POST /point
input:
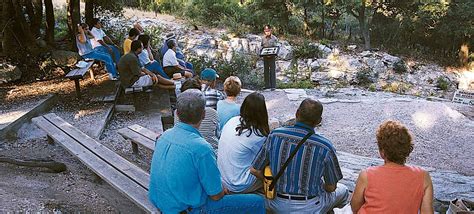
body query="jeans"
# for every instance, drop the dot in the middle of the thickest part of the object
(187, 65)
(116, 53)
(320, 204)
(156, 68)
(240, 203)
(109, 64)
(269, 74)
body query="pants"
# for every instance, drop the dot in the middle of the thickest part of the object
(156, 68)
(143, 81)
(115, 52)
(240, 203)
(321, 204)
(109, 63)
(170, 70)
(269, 72)
(187, 65)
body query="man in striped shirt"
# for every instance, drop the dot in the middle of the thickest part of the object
(310, 182)
(208, 80)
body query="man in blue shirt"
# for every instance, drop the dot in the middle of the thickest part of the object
(301, 188)
(184, 175)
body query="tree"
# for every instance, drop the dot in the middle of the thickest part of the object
(73, 18)
(89, 11)
(49, 37)
(363, 11)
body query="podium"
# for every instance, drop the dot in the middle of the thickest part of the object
(270, 51)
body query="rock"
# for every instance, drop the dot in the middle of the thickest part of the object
(325, 50)
(336, 74)
(282, 66)
(366, 54)
(321, 78)
(400, 67)
(9, 73)
(466, 80)
(354, 64)
(315, 66)
(351, 47)
(389, 58)
(65, 58)
(286, 51)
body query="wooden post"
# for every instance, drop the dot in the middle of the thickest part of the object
(78, 88)
(50, 140)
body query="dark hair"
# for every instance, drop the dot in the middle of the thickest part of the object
(133, 32)
(309, 112)
(83, 25)
(145, 40)
(94, 21)
(254, 116)
(191, 84)
(267, 26)
(137, 44)
(171, 43)
(395, 141)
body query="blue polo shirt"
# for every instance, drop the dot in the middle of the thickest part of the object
(184, 171)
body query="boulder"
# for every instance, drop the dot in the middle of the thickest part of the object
(366, 54)
(351, 47)
(65, 58)
(389, 58)
(466, 80)
(286, 51)
(9, 73)
(325, 50)
(400, 67)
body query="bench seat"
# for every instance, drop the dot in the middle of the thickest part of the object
(139, 135)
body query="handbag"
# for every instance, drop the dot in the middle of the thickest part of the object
(269, 181)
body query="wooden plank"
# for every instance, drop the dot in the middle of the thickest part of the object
(144, 131)
(79, 72)
(137, 138)
(122, 108)
(130, 170)
(121, 182)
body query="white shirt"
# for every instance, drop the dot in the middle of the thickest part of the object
(169, 59)
(144, 58)
(98, 34)
(235, 156)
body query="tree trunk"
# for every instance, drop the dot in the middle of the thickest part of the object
(89, 11)
(305, 22)
(37, 18)
(73, 18)
(323, 15)
(22, 29)
(48, 5)
(364, 26)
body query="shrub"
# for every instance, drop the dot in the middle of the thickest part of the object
(306, 50)
(364, 77)
(306, 84)
(442, 83)
(154, 32)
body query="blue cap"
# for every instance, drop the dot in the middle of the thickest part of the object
(209, 74)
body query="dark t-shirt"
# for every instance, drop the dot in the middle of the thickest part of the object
(129, 69)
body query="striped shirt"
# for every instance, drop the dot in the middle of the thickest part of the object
(208, 127)
(316, 159)
(212, 96)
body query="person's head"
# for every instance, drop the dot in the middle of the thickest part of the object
(232, 86)
(84, 27)
(136, 47)
(209, 76)
(267, 29)
(133, 33)
(145, 40)
(171, 44)
(170, 36)
(190, 83)
(96, 23)
(190, 106)
(394, 142)
(254, 116)
(309, 112)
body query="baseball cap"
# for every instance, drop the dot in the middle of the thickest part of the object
(209, 74)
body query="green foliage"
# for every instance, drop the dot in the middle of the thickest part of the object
(306, 50)
(442, 83)
(154, 32)
(60, 28)
(364, 76)
(306, 84)
(372, 87)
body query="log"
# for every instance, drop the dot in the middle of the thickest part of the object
(50, 164)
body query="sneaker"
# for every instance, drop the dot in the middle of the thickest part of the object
(114, 78)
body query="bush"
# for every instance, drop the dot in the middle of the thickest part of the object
(306, 50)
(364, 77)
(154, 32)
(442, 83)
(306, 84)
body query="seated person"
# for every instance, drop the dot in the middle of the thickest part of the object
(228, 108)
(170, 62)
(241, 140)
(147, 60)
(393, 187)
(179, 53)
(132, 35)
(100, 39)
(184, 177)
(310, 182)
(208, 127)
(83, 42)
(132, 74)
(208, 80)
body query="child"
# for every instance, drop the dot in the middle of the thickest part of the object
(208, 80)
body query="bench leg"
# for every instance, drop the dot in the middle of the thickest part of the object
(78, 88)
(91, 72)
(135, 148)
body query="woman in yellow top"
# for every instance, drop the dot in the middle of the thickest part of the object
(132, 35)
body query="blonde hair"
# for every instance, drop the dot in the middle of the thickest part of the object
(232, 86)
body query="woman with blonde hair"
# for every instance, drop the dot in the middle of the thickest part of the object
(229, 108)
(393, 187)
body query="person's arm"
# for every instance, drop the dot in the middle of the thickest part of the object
(151, 74)
(150, 54)
(257, 173)
(358, 196)
(82, 36)
(217, 197)
(332, 172)
(108, 40)
(427, 202)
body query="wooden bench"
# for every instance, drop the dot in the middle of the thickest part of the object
(139, 135)
(126, 177)
(78, 74)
